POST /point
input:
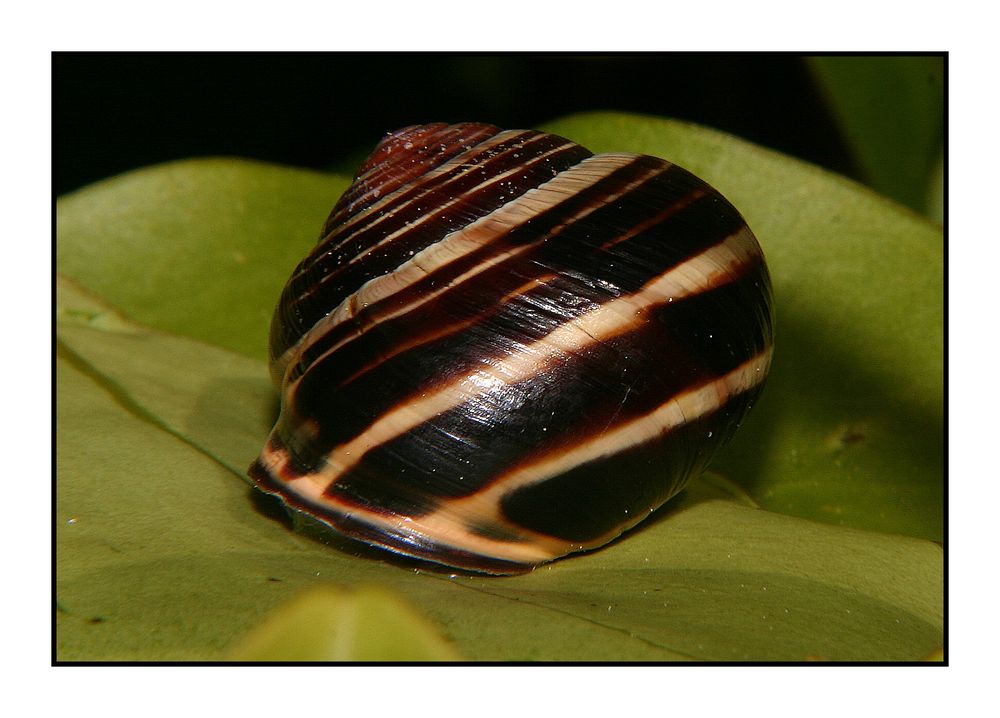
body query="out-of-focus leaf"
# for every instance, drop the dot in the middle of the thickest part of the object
(330, 624)
(891, 112)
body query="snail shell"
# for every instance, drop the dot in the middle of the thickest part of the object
(505, 349)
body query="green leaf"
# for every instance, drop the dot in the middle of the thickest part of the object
(163, 554)
(198, 247)
(327, 624)
(891, 113)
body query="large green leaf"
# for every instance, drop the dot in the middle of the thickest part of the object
(164, 554)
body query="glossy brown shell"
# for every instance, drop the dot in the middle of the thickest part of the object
(505, 349)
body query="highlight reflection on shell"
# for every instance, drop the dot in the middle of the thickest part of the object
(505, 349)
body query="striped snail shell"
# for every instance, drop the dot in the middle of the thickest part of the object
(505, 349)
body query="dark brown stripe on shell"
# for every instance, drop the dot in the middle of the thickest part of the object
(440, 185)
(598, 497)
(325, 278)
(400, 158)
(399, 541)
(580, 396)
(498, 328)
(339, 271)
(577, 247)
(419, 200)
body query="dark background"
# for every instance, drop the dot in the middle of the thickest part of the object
(117, 111)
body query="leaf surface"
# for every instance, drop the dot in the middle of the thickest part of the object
(163, 553)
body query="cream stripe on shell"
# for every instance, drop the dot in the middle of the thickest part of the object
(376, 213)
(446, 524)
(462, 242)
(704, 271)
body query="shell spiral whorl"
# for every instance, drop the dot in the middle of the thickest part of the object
(505, 349)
